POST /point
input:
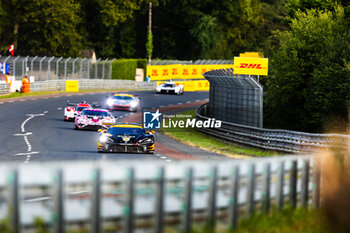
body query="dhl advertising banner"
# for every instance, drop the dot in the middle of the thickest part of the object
(178, 71)
(197, 85)
(251, 65)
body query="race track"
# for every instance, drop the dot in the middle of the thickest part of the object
(34, 130)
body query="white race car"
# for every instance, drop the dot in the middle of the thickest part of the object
(170, 87)
(73, 109)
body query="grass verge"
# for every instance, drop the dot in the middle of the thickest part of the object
(192, 137)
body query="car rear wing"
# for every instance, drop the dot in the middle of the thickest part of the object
(74, 104)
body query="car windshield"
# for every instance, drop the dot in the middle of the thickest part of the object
(169, 85)
(121, 131)
(119, 97)
(80, 108)
(94, 113)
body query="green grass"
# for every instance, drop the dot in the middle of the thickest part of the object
(192, 137)
(41, 93)
(286, 221)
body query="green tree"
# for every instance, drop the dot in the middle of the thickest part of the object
(41, 27)
(50, 28)
(311, 78)
(295, 5)
(149, 45)
(104, 21)
(240, 21)
(207, 34)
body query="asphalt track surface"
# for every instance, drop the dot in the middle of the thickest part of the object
(34, 130)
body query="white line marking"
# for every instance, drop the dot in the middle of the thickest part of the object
(179, 103)
(24, 122)
(198, 100)
(162, 157)
(157, 155)
(78, 192)
(23, 134)
(28, 153)
(38, 199)
(188, 102)
(59, 108)
(22, 100)
(161, 106)
(45, 112)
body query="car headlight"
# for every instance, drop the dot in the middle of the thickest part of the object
(110, 102)
(133, 104)
(104, 139)
(145, 140)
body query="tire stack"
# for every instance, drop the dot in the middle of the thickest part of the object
(25, 85)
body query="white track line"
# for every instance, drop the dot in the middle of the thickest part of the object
(27, 153)
(25, 137)
(23, 134)
(59, 108)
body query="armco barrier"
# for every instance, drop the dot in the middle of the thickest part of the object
(119, 195)
(88, 84)
(272, 139)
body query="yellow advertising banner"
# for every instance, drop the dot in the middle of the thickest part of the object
(178, 71)
(72, 86)
(252, 54)
(251, 65)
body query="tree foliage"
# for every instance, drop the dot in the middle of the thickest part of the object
(311, 78)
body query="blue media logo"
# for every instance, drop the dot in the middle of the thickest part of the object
(152, 120)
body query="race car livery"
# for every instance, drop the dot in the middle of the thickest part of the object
(170, 87)
(125, 137)
(95, 119)
(125, 102)
(73, 109)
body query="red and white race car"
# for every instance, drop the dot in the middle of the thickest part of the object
(73, 109)
(91, 118)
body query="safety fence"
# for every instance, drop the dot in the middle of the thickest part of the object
(129, 196)
(55, 68)
(274, 139)
(234, 98)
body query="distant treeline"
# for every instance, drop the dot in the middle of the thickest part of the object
(186, 30)
(306, 41)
